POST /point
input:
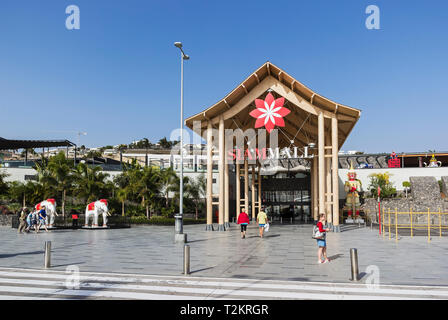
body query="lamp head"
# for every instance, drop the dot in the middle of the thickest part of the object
(186, 57)
(178, 44)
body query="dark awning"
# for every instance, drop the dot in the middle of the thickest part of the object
(6, 144)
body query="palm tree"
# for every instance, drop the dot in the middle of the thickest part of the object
(122, 182)
(168, 180)
(196, 190)
(3, 184)
(148, 187)
(61, 170)
(176, 189)
(18, 192)
(29, 192)
(164, 143)
(47, 183)
(90, 183)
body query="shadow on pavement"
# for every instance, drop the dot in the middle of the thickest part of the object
(203, 269)
(336, 256)
(20, 254)
(67, 264)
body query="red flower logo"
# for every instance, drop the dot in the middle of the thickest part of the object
(270, 112)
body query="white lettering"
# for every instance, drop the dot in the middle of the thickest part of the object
(373, 21)
(73, 21)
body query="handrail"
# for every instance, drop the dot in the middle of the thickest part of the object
(427, 224)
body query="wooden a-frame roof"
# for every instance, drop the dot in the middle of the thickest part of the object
(304, 103)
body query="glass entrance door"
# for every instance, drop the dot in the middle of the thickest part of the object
(287, 196)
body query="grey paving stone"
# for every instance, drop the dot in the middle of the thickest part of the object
(286, 253)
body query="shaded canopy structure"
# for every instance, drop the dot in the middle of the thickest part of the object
(310, 120)
(6, 144)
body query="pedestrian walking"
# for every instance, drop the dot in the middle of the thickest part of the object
(31, 220)
(262, 219)
(243, 220)
(42, 215)
(321, 238)
(22, 220)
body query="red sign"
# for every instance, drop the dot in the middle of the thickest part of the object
(270, 112)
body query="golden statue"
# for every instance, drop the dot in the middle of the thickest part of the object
(352, 187)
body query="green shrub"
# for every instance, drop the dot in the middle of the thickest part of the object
(163, 221)
(381, 180)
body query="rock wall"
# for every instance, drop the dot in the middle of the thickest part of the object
(425, 190)
(6, 220)
(425, 194)
(370, 206)
(445, 185)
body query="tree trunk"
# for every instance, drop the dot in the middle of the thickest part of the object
(147, 212)
(122, 208)
(24, 200)
(196, 207)
(63, 203)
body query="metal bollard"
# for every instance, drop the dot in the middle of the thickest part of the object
(354, 264)
(291, 220)
(47, 255)
(186, 259)
(281, 220)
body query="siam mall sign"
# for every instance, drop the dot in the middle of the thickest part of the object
(268, 154)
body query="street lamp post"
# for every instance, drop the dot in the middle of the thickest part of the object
(179, 235)
(77, 144)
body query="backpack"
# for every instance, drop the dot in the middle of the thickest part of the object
(317, 234)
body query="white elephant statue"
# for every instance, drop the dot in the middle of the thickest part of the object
(96, 208)
(50, 210)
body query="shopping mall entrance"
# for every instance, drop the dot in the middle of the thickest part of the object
(287, 197)
(270, 111)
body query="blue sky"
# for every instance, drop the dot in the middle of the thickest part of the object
(117, 78)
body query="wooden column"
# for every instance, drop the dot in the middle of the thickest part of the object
(221, 164)
(334, 171)
(226, 194)
(315, 189)
(259, 188)
(328, 190)
(246, 186)
(209, 226)
(238, 189)
(253, 192)
(321, 168)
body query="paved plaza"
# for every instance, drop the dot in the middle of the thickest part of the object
(286, 253)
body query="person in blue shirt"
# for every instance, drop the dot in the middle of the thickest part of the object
(42, 214)
(31, 220)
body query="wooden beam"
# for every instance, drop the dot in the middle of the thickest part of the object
(209, 177)
(238, 190)
(247, 99)
(292, 96)
(221, 175)
(246, 185)
(334, 171)
(253, 192)
(321, 160)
